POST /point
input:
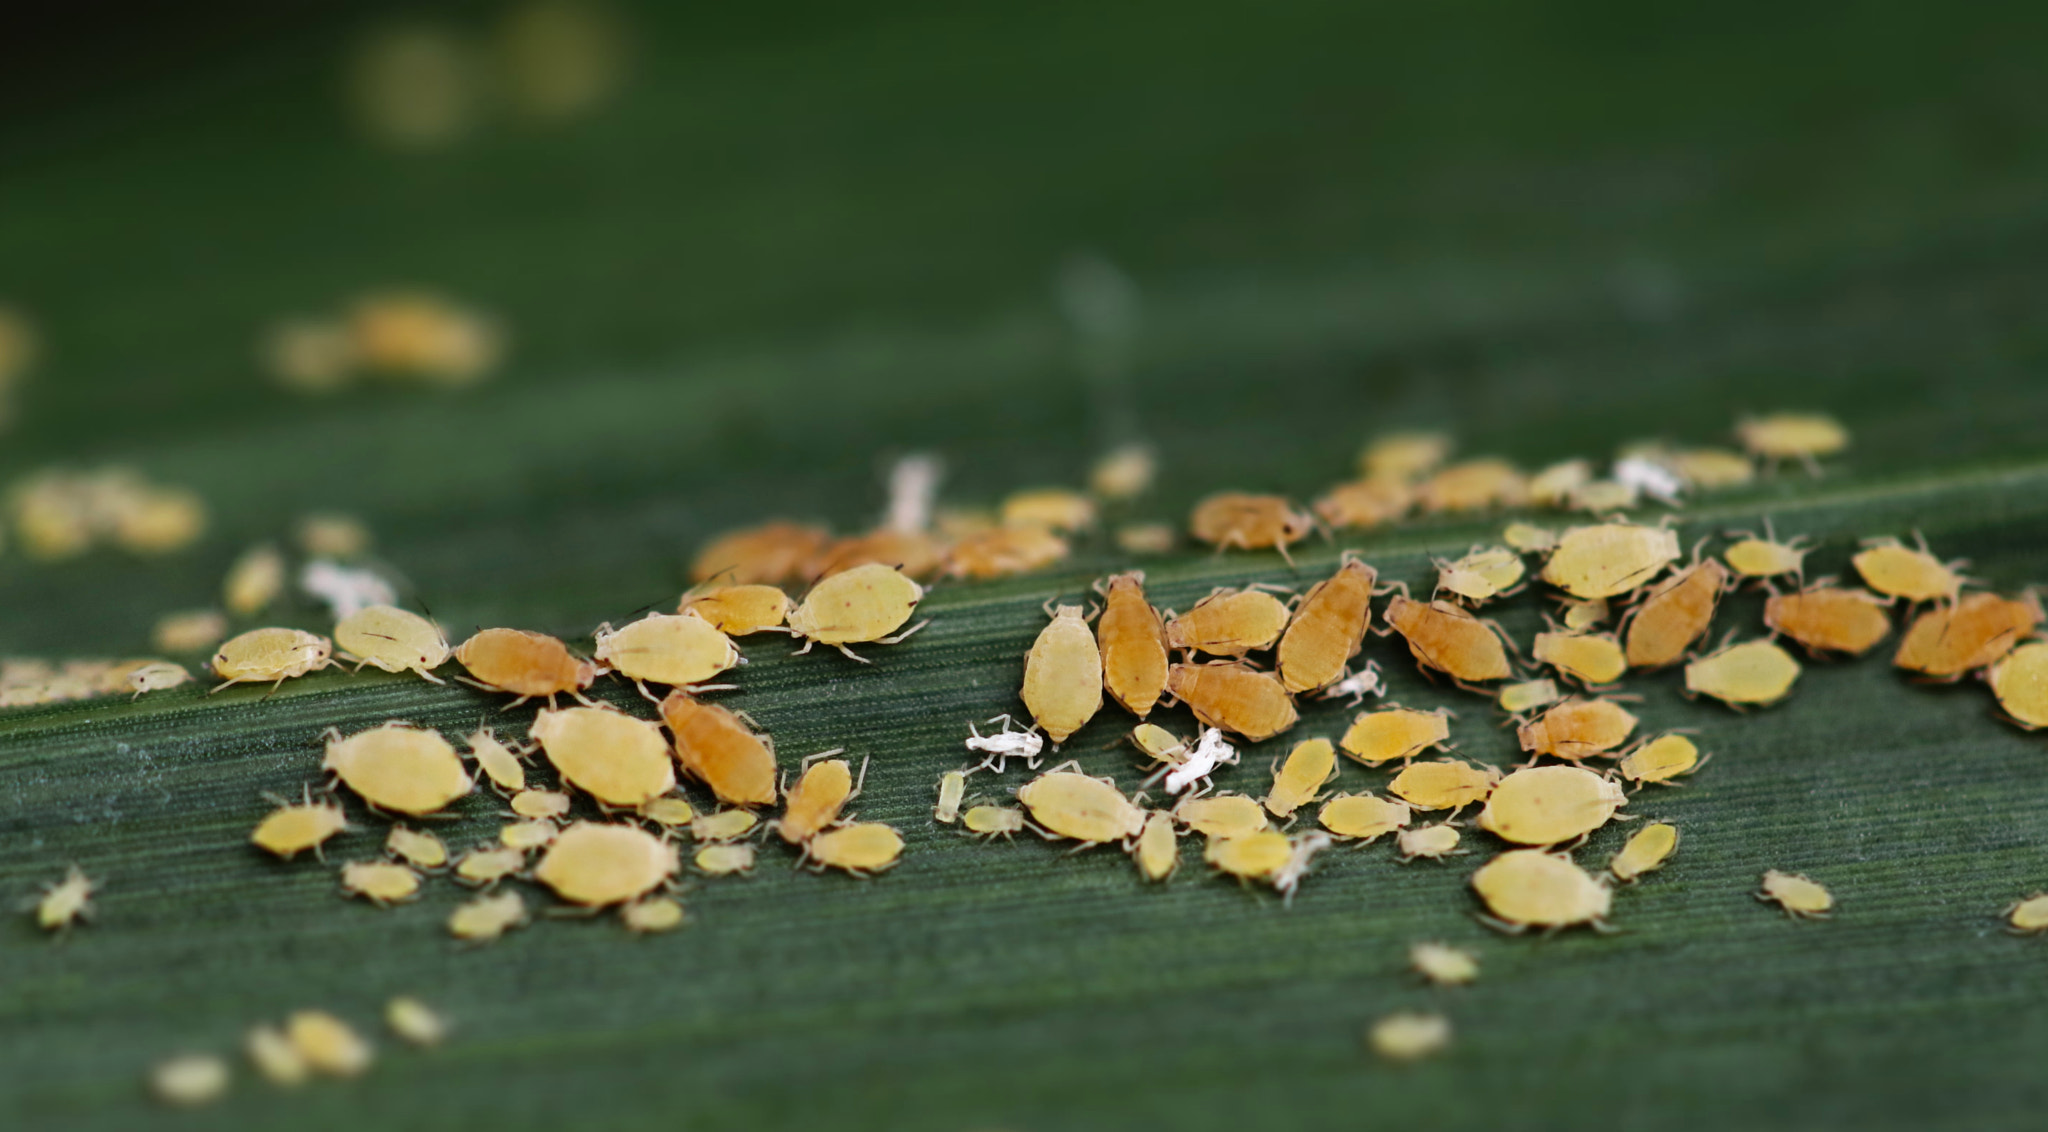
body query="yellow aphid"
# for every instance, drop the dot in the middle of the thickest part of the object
(678, 649)
(1363, 817)
(65, 902)
(1710, 468)
(1446, 784)
(1256, 855)
(1592, 659)
(1973, 633)
(415, 1022)
(1157, 849)
(1249, 522)
(724, 858)
(668, 811)
(1221, 815)
(1447, 638)
(1661, 759)
(270, 654)
(914, 554)
(496, 760)
(1444, 965)
(1427, 842)
(1395, 732)
(738, 611)
(1531, 888)
(596, 864)
(148, 519)
(1474, 485)
(1328, 628)
(1828, 619)
(398, 767)
(1063, 675)
(1067, 803)
(525, 664)
(2020, 681)
(615, 758)
(1299, 780)
(1645, 851)
(764, 555)
(380, 882)
(1005, 551)
(816, 800)
(1800, 897)
(992, 821)
(2029, 916)
(1753, 557)
(653, 914)
(485, 867)
(1529, 538)
(275, 1057)
(1601, 497)
(1229, 623)
(1365, 503)
(1555, 485)
(328, 1044)
(1145, 538)
(292, 829)
(420, 850)
(254, 581)
(860, 848)
(527, 836)
(1549, 805)
(1409, 1037)
(718, 748)
(157, 675)
(1752, 673)
(1581, 615)
(1673, 614)
(1050, 507)
(1404, 455)
(1527, 696)
(952, 789)
(1482, 575)
(1895, 570)
(487, 917)
(723, 825)
(1792, 436)
(1610, 559)
(540, 804)
(189, 1080)
(190, 631)
(862, 604)
(326, 535)
(1123, 473)
(1577, 729)
(422, 335)
(309, 355)
(393, 639)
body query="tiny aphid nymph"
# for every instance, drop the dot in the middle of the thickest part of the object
(1444, 965)
(952, 789)
(1409, 1037)
(328, 1044)
(821, 792)
(379, 882)
(1427, 842)
(1915, 575)
(65, 902)
(1445, 784)
(1006, 743)
(1645, 851)
(1661, 759)
(414, 1021)
(487, 917)
(293, 829)
(498, 762)
(1299, 779)
(1362, 817)
(1800, 897)
(420, 850)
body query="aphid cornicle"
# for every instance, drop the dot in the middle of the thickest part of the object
(1950, 640)
(1363, 817)
(1592, 659)
(2020, 681)
(1156, 851)
(1409, 1036)
(1234, 697)
(1830, 619)
(65, 902)
(379, 882)
(815, 802)
(1896, 570)
(487, 917)
(1299, 780)
(1673, 614)
(738, 611)
(1428, 842)
(1002, 552)
(1752, 674)
(275, 655)
(770, 553)
(1802, 898)
(294, 828)
(393, 639)
(615, 758)
(1221, 815)
(1661, 759)
(1532, 888)
(681, 650)
(1249, 522)
(862, 848)
(718, 748)
(1063, 675)
(399, 767)
(1328, 629)
(1549, 805)
(596, 864)
(524, 664)
(1133, 644)
(864, 604)
(1645, 851)
(1610, 559)
(1577, 729)
(1229, 623)
(1394, 732)
(1067, 803)
(1445, 784)
(1448, 639)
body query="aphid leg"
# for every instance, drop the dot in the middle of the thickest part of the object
(900, 637)
(851, 655)
(427, 676)
(1502, 926)
(649, 696)
(274, 688)
(478, 684)
(517, 702)
(1281, 546)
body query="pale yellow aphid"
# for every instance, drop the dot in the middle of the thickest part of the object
(254, 581)
(1753, 557)
(328, 1044)
(1549, 805)
(157, 675)
(669, 811)
(1482, 575)
(1601, 497)
(1473, 485)
(1299, 780)
(498, 762)
(1221, 815)
(596, 864)
(724, 859)
(333, 535)
(816, 800)
(292, 829)
(1145, 538)
(1792, 436)
(1124, 472)
(1710, 468)
(1363, 817)
(1555, 485)
(1444, 965)
(270, 654)
(1515, 699)
(1157, 848)
(540, 804)
(1529, 538)
(309, 355)
(1427, 842)
(993, 821)
(1896, 570)
(420, 850)
(379, 882)
(1610, 559)
(65, 902)
(1752, 673)
(189, 1080)
(1159, 744)
(2020, 681)
(1229, 623)
(1406, 1037)
(398, 767)
(2029, 916)
(1580, 615)
(192, 630)
(1800, 897)
(723, 825)
(527, 836)
(952, 789)
(274, 1056)
(1645, 851)
(487, 917)
(652, 915)
(1054, 508)
(1259, 854)
(860, 605)
(1525, 888)
(615, 758)
(414, 1021)
(393, 639)
(1063, 675)
(1577, 729)
(679, 649)
(1395, 732)
(483, 868)
(1446, 784)
(861, 848)
(738, 611)
(1661, 759)
(1364, 503)
(1067, 803)
(1592, 659)
(1404, 455)
(158, 520)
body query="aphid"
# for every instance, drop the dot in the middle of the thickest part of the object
(1652, 477)
(1406, 1036)
(393, 639)
(1404, 456)
(527, 836)
(668, 811)
(346, 591)
(1447, 638)
(1661, 759)
(1428, 842)
(767, 554)
(2020, 681)
(327, 535)
(1328, 629)
(328, 1044)
(1532, 888)
(292, 829)
(861, 605)
(1257, 855)
(915, 554)
(1550, 805)
(678, 649)
(1067, 803)
(1582, 615)
(1209, 753)
(1645, 851)
(913, 487)
(1051, 507)
(1555, 485)
(1482, 575)
(1145, 538)
(1234, 697)
(1592, 659)
(1894, 570)
(1766, 557)
(719, 749)
(1363, 817)
(1299, 780)
(1830, 619)
(156, 676)
(820, 793)
(2029, 916)
(414, 1021)
(650, 915)
(1005, 551)
(487, 917)
(1365, 503)
(862, 848)
(1301, 852)
(596, 864)
(1444, 965)
(1157, 848)
(420, 850)
(1395, 732)
(1792, 436)
(1673, 614)
(952, 789)
(1124, 472)
(1446, 784)
(189, 1080)
(1221, 815)
(398, 767)
(1603, 497)
(738, 611)
(1474, 485)
(1358, 685)
(540, 804)
(723, 825)
(1063, 675)
(1610, 559)
(993, 821)
(615, 758)
(275, 1057)
(1229, 623)
(525, 664)
(1250, 522)
(254, 581)
(1529, 538)
(379, 882)
(65, 902)
(1754, 672)
(1527, 696)
(1973, 633)
(270, 654)
(483, 868)
(1710, 468)
(998, 748)
(1577, 729)
(496, 760)
(414, 333)
(724, 858)
(190, 631)
(1800, 897)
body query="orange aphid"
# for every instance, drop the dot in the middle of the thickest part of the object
(526, 664)
(1975, 632)
(1249, 522)
(717, 748)
(1474, 485)
(1328, 628)
(1404, 456)
(914, 553)
(1830, 619)
(1004, 551)
(1445, 637)
(1133, 644)
(1234, 697)
(1673, 614)
(1365, 503)
(770, 553)
(738, 610)
(1229, 623)
(1577, 729)
(1896, 570)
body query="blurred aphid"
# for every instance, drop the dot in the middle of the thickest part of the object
(398, 767)
(189, 1080)
(1533, 888)
(1446, 784)
(526, 836)
(1299, 779)
(270, 654)
(1363, 817)
(51, 515)
(1830, 619)
(1610, 559)
(524, 664)
(670, 811)
(540, 804)
(1650, 477)
(678, 649)
(1446, 638)
(2029, 916)
(1555, 485)
(738, 611)
(1221, 815)
(819, 796)
(1660, 759)
(1407, 1036)
(1550, 805)
(915, 553)
(1209, 753)
(655, 914)
(1800, 897)
(292, 829)
(275, 1057)
(1404, 456)
(484, 868)
(1123, 473)
(1950, 640)
(1366, 503)
(414, 1022)
(1753, 673)
(393, 639)
(717, 747)
(765, 555)
(1063, 675)
(1145, 538)
(328, 1044)
(1328, 629)
(913, 487)
(194, 630)
(254, 581)
(1229, 623)
(1645, 851)
(560, 59)
(416, 334)
(1005, 551)
(1156, 851)
(1444, 965)
(619, 760)
(157, 520)
(1475, 485)
(1804, 437)
(1427, 842)
(487, 917)
(862, 848)
(992, 821)
(956, 523)
(1577, 729)
(1529, 538)
(1895, 570)
(1482, 575)
(1527, 696)
(1255, 855)
(1591, 659)
(18, 349)
(413, 86)
(1067, 803)
(1395, 732)
(998, 747)
(1133, 643)
(1674, 613)
(724, 858)
(1234, 697)
(1604, 497)
(2020, 681)
(1249, 522)
(952, 790)
(346, 590)
(65, 902)
(157, 675)
(1765, 557)
(1711, 468)
(864, 604)
(1054, 508)
(332, 535)
(415, 848)
(596, 864)
(310, 355)
(379, 882)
